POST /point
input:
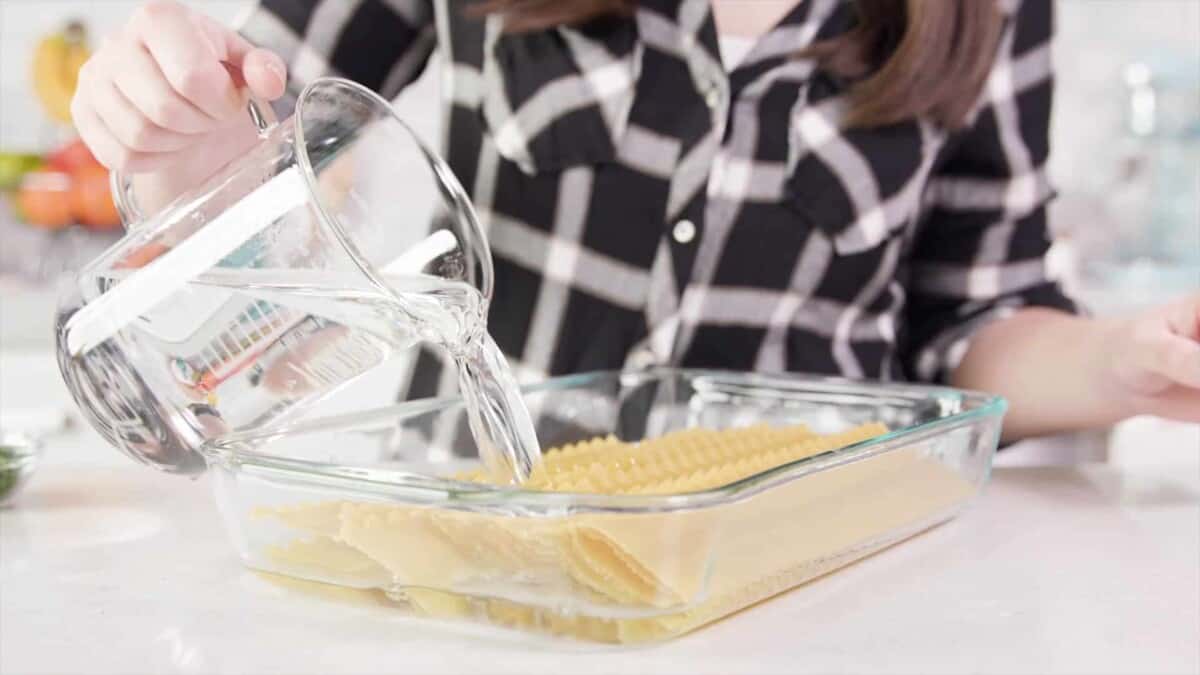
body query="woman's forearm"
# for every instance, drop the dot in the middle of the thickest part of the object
(1053, 369)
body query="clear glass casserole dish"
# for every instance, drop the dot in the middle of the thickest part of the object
(369, 501)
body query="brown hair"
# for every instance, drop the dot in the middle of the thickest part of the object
(906, 58)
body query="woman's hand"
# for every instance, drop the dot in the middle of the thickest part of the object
(1154, 360)
(171, 82)
(1064, 373)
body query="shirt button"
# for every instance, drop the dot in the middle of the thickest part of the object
(684, 231)
(712, 97)
(640, 359)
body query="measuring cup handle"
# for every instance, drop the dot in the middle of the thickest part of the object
(122, 186)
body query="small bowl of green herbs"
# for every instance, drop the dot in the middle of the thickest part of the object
(19, 456)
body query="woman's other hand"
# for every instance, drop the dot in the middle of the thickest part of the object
(1154, 359)
(1064, 373)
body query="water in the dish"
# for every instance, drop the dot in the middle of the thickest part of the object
(248, 347)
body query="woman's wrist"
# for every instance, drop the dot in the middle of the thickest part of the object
(153, 191)
(1114, 377)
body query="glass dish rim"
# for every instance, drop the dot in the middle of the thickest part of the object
(419, 489)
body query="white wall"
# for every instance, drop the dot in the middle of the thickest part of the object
(1097, 39)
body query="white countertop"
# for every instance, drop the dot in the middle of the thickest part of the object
(107, 567)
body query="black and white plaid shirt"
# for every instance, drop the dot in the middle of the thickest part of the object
(646, 205)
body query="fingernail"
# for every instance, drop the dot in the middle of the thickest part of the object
(277, 69)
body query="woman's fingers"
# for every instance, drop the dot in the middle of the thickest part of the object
(110, 151)
(263, 71)
(1177, 358)
(1178, 403)
(1167, 343)
(1183, 317)
(265, 74)
(189, 58)
(133, 129)
(144, 85)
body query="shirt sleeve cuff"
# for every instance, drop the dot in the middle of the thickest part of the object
(939, 357)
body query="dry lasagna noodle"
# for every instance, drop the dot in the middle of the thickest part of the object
(640, 576)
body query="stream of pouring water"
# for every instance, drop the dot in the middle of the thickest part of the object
(363, 327)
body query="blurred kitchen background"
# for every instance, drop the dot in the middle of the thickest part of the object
(1126, 162)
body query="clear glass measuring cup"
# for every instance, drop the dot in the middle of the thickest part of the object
(336, 241)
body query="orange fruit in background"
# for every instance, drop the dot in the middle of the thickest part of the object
(91, 200)
(72, 157)
(44, 199)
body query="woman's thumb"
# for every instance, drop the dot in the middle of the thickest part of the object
(265, 74)
(260, 69)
